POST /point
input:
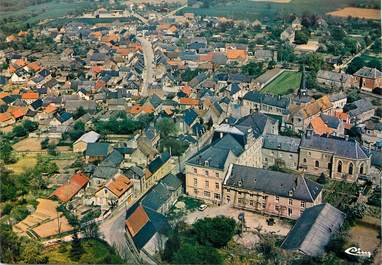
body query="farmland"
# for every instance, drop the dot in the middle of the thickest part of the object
(365, 13)
(248, 9)
(283, 84)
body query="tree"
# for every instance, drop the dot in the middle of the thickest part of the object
(30, 126)
(7, 187)
(197, 254)
(166, 127)
(44, 143)
(375, 63)
(91, 229)
(77, 250)
(172, 245)
(215, 231)
(338, 33)
(313, 61)
(6, 151)
(19, 131)
(322, 179)
(356, 64)
(253, 69)
(301, 37)
(79, 113)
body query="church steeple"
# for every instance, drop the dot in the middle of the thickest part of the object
(302, 90)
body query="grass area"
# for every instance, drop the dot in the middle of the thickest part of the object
(247, 9)
(285, 83)
(367, 58)
(23, 163)
(96, 252)
(340, 193)
(191, 205)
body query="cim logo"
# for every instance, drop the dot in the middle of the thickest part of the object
(354, 251)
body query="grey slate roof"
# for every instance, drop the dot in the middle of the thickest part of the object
(368, 72)
(313, 229)
(338, 146)
(97, 149)
(283, 143)
(256, 121)
(105, 172)
(361, 106)
(272, 182)
(277, 101)
(331, 121)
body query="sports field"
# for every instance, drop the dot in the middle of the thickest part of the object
(285, 83)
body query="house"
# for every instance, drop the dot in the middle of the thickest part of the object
(338, 100)
(6, 119)
(145, 229)
(158, 169)
(328, 125)
(117, 191)
(74, 187)
(81, 143)
(314, 229)
(270, 192)
(29, 97)
(372, 133)
(288, 35)
(339, 158)
(163, 195)
(137, 176)
(368, 78)
(266, 103)
(280, 148)
(361, 111)
(96, 152)
(334, 80)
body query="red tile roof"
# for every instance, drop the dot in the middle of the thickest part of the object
(5, 116)
(189, 101)
(30, 95)
(67, 191)
(119, 185)
(137, 221)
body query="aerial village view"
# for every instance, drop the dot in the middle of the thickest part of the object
(222, 132)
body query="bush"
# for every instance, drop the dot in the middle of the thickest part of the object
(19, 131)
(7, 209)
(30, 126)
(20, 213)
(197, 254)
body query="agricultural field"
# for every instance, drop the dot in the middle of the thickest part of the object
(23, 163)
(251, 10)
(365, 13)
(285, 83)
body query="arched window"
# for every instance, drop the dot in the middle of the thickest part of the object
(317, 164)
(361, 169)
(304, 160)
(339, 166)
(351, 168)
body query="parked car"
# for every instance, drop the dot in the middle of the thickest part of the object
(202, 207)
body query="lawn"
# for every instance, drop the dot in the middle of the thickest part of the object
(23, 163)
(96, 252)
(247, 9)
(284, 84)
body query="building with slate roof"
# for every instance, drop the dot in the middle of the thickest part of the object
(368, 78)
(163, 195)
(361, 111)
(333, 79)
(270, 192)
(157, 169)
(280, 148)
(339, 158)
(96, 152)
(145, 229)
(266, 103)
(81, 143)
(314, 229)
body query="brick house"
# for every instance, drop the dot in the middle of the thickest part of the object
(269, 192)
(368, 78)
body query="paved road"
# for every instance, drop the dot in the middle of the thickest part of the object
(148, 72)
(345, 64)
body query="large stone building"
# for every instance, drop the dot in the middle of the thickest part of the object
(270, 192)
(368, 78)
(338, 158)
(281, 149)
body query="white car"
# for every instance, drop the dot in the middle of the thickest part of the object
(202, 207)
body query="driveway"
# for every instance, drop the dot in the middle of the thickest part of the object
(253, 221)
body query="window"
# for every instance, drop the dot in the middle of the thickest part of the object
(351, 168)
(207, 194)
(105, 191)
(302, 204)
(228, 198)
(277, 208)
(207, 184)
(317, 164)
(277, 198)
(195, 182)
(206, 172)
(290, 156)
(290, 201)
(339, 166)
(217, 185)
(217, 196)
(289, 211)
(263, 205)
(217, 174)
(195, 170)
(304, 160)
(195, 191)
(251, 202)
(240, 201)
(361, 169)
(266, 159)
(310, 154)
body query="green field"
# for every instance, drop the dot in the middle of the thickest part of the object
(283, 84)
(251, 10)
(96, 252)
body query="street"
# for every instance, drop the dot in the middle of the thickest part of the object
(148, 72)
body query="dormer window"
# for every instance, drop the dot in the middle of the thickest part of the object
(290, 193)
(206, 163)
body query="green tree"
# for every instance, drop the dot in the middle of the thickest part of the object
(375, 63)
(79, 113)
(76, 250)
(301, 37)
(253, 69)
(44, 143)
(313, 61)
(338, 33)
(19, 131)
(356, 64)
(166, 127)
(6, 151)
(172, 245)
(197, 254)
(31, 253)
(7, 187)
(215, 231)
(30, 126)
